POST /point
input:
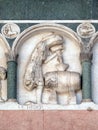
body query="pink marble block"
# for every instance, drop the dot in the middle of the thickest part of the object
(48, 120)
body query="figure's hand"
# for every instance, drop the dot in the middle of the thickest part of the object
(28, 85)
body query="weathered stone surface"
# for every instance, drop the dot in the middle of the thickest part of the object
(70, 120)
(48, 120)
(21, 120)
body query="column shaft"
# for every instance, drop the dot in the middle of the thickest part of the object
(86, 80)
(11, 79)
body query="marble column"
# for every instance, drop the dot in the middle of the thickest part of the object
(11, 79)
(86, 76)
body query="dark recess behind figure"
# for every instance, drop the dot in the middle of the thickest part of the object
(48, 9)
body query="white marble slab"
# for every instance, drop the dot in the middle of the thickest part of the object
(15, 106)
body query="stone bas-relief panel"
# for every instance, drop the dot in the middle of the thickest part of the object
(49, 67)
(52, 68)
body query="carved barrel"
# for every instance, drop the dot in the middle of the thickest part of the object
(63, 81)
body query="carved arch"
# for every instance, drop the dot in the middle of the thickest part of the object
(23, 42)
(93, 40)
(40, 27)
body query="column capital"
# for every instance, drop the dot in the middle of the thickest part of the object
(86, 56)
(11, 57)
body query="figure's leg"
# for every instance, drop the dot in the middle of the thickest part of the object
(79, 96)
(62, 98)
(53, 97)
(32, 99)
(67, 98)
(45, 96)
(71, 96)
(49, 96)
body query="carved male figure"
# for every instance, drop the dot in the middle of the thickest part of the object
(56, 76)
(47, 72)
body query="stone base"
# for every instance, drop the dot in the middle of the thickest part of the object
(15, 106)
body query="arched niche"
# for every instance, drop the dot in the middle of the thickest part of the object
(94, 69)
(26, 42)
(4, 50)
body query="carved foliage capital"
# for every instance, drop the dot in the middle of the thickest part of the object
(10, 57)
(86, 56)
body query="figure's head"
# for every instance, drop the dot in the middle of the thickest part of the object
(54, 42)
(3, 73)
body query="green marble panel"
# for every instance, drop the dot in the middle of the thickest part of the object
(46, 9)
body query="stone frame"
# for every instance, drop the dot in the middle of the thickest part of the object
(13, 57)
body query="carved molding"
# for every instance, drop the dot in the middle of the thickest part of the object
(42, 27)
(86, 56)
